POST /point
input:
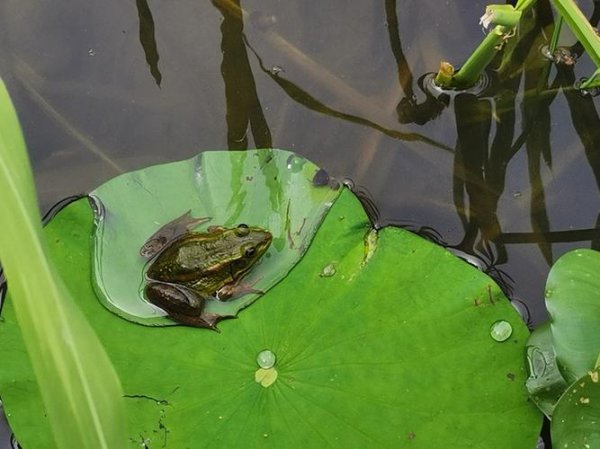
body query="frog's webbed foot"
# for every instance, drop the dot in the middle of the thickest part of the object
(230, 291)
(182, 305)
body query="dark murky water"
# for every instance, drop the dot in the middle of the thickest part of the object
(326, 82)
(509, 174)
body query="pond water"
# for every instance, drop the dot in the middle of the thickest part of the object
(504, 173)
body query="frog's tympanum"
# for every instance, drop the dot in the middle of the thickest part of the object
(196, 266)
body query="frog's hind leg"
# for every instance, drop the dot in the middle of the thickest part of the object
(182, 305)
(174, 299)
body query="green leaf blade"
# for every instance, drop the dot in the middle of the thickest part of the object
(80, 389)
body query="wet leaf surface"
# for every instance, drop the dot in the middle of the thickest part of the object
(394, 352)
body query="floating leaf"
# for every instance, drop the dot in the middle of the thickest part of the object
(269, 189)
(576, 421)
(394, 352)
(573, 301)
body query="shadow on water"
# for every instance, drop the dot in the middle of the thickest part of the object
(304, 98)
(147, 39)
(243, 105)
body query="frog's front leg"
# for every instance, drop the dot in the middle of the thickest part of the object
(181, 304)
(237, 289)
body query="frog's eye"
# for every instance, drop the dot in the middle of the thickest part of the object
(249, 251)
(242, 230)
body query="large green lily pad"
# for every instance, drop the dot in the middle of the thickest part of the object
(390, 352)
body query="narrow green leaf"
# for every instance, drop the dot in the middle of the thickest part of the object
(581, 27)
(79, 386)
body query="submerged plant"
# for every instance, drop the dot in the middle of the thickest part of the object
(81, 392)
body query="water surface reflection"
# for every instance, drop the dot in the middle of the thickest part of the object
(507, 172)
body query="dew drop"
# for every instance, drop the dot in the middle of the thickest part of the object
(295, 163)
(266, 359)
(501, 330)
(328, 271)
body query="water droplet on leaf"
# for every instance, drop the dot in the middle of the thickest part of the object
(328, 271)
(501, 330)
(266, 359)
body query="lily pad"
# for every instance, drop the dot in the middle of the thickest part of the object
(391, 351)
(573, 302)
(576, 422)
(270, 189)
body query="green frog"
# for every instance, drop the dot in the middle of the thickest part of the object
(191, 267)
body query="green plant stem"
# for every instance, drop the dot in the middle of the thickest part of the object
(469, 73)
(556, 34)
(580, 27)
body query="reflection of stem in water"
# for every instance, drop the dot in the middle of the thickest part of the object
(304, 98)
(587, 125)
(573, 235)
(536, 118)
(243, 104)
(23, 73)
(405, 77)
(147, 39)
(475, 175)
(408, 110)
(584, 117)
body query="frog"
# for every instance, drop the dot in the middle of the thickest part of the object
(189, 268)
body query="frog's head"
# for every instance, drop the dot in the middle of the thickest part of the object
(252, 243)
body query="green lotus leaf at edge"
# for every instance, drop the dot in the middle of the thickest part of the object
(391, 352)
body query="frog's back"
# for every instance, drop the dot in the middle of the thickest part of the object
(188, 258)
